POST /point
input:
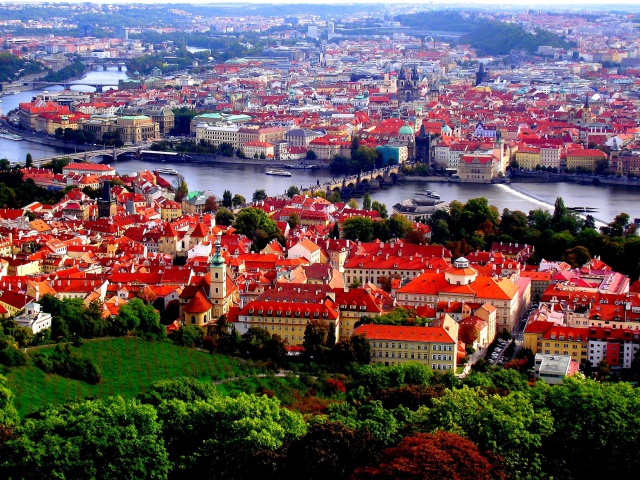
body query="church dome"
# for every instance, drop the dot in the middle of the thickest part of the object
(405, 130)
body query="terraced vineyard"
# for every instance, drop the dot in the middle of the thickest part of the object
(128, 366)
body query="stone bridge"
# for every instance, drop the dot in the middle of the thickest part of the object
(364, 180)
(110, 153)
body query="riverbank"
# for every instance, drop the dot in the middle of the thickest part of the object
(49, 141)
(545, 177)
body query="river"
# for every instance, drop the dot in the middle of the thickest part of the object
(245, 179)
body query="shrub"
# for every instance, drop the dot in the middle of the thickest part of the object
(63, 362)
(12, 357)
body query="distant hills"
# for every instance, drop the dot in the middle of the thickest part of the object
(486, 36)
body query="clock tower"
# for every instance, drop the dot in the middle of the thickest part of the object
(218, 281)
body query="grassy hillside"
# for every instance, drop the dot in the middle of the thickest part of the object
(128, 366)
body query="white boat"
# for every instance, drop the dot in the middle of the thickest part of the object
(431, 194)
(14, 92)
(281, 173)
(167, 171)
(299, 166)
(10, 136)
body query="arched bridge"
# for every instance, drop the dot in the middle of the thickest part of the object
(112, 153)
(370, 179)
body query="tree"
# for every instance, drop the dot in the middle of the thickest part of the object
(331, 450)
(435, 456)
(28, 161)
(8, 413)
(366, 201)
(188, 336)
(259, 195)
(294, 220)
(589, 419)
(335, 231)
(399, 225)
(352, 203)
(311, 155)
(381, 208)
(358, 228)
(238, 200)
(136, 315)
(506, 425)
(180, 188)
(223, 433)
(227, 199)
(293, 190)
(314, 340)
(123, 438)
(257, 226)
(224, 216)
(467, 334)
(211, 204)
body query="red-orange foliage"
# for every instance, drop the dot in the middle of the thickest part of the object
(432, 456)
(309, 404)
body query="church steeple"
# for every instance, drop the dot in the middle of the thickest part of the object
(218, 280)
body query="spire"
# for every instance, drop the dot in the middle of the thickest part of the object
(586, 101)
(217, 259)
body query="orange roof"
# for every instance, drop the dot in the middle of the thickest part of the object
(406, 333)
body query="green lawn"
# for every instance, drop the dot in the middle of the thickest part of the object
(127, 365)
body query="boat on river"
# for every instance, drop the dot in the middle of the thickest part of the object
(10, 136)
(281, 173)
(167, 171)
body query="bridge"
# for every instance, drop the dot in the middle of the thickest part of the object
(112, 153)
(364, 180)
(37, 84)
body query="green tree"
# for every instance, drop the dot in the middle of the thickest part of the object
(322, 452)
(28, 161)
(358, 228)
(143, 318)
(227, 199)
(399, 225)
(224, 216)
(505, 425)
(259, 195)
(188, 336)
(257, 226)
(381, 208)
(294, 220)
(109, 439)
(592, 420)
(222, 433)
(8, 413)
(366, 201)
(352, 203)
(238, 200)
(293, 190)
(335, 231)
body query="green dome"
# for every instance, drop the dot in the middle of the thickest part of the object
(405, 130)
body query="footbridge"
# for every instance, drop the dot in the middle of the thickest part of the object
(110, 153)
(364, 180)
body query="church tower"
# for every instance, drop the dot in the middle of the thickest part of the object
(218, 281)
(106, 204)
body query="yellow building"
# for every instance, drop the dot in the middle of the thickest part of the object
(587, 159)
(136, 128)
(528, 157)
(395, 344)
(550, 339)
(170, 210)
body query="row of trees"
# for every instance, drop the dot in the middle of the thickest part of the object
(562, 234)
(401, 421)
